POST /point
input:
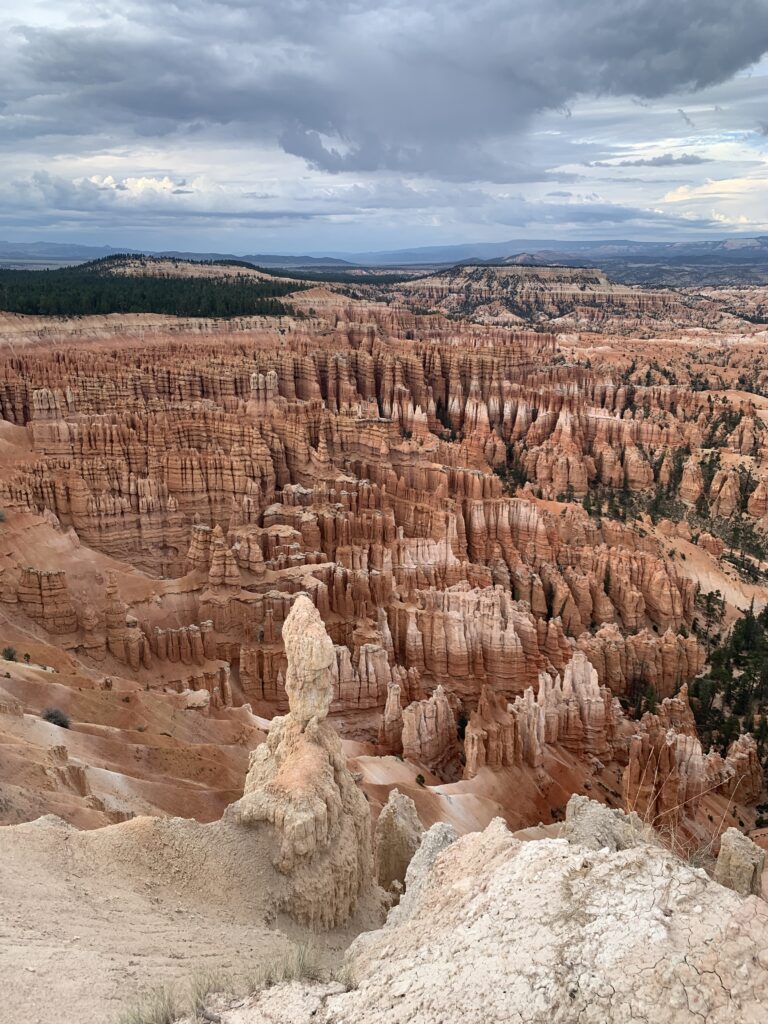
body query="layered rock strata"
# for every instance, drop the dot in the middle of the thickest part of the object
(668, 772)
(575, 713)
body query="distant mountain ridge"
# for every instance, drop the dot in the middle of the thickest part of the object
(513, 250)
(62, 252)
(726, 261)
(552, 250)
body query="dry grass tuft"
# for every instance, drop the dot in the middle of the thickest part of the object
(160, 1006)
(669, 827)
(345, 976)
(167, 1005)
(300, 962)
(202, 986)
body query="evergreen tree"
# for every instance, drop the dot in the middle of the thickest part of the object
(761, 734)
(99, 288)
(651, 701)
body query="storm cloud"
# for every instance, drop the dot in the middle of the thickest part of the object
(369, 93)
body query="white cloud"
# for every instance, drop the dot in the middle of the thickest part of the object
(722, 188)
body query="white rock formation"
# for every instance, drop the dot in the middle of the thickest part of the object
(310, 655)
(596, 827)
(433, 842)
(298, 782)
(546, 932)
(396, 839)
(740, 863)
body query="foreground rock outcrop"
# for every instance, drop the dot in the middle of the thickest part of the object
(596, 827)
(548, 932)
(396, 840)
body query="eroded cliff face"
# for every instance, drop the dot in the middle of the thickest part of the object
(517, 294)
(319, 463)
(464, 508)
(575, 713)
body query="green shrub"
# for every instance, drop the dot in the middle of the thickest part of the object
(56, 717)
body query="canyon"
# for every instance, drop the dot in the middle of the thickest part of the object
(304, 592)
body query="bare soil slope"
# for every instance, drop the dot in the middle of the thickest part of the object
(90, 919)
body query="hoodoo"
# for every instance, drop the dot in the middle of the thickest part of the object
(299, 784)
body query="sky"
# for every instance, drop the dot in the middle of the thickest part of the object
(346, 125)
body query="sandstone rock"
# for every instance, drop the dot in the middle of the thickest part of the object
(231, 467)
(646, 936)
(576, 713)
(725, 493)
(491, 737)
(668, 772)
(663, 662)
(391, 728)
(310, 655)
(429, 732)
(714, 545)
(742, 772)
(436, 839)
(396, 839)
(196, 700)
(692, 484)
(596, 827)
(757, 504)
(44, 596)
(222, 571)
(740, 863)
(745, 436)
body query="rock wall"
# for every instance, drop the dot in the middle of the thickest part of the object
(353, 459)
(648, 937)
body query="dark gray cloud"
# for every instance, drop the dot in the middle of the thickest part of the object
(663, 160)
(359, 84)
